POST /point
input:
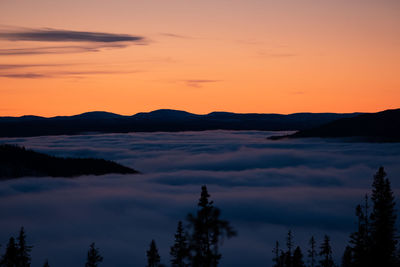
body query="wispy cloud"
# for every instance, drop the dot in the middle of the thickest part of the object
(57, 49)
(173, 35)
(54, 35)
(73, 74)
(23, 66)
(199, 82)
(277, 55)
(23, 75)
(88, 41)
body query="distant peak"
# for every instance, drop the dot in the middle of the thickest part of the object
(97, 114)
(170, 111)
(166, 113)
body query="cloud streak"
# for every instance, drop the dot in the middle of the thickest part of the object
(75, 74)
(173, 35)
(23, 66)
(57, 49)
(78, 41)
(54, 35)
(197, 83)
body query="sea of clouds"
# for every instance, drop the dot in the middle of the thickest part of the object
(264, 188)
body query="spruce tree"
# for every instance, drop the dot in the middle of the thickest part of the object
(10, 257)
(361, 240)
(153, 258)
(383, 221)
(347, 259)
(24, 257)
(298, 258)
(93, 256)
(179, 251)
(207, 231)
(326, 253)
(312, 252)
(277, 259)
(289, 253)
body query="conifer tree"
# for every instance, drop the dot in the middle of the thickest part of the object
(289, 242)
(361, 240)
(179, 251)
(93, 256)
(383, 221)
(298, 258)
(277, 259)
(10, 257)
(326, 253)
(347, 259)
(367, 216)
(312, 252)
(289, 252)
(24, 258)
(153, 258)
(207, 231)
(46, 264)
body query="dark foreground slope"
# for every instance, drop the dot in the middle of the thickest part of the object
(160, 120)
(376, 127)
(19, 162)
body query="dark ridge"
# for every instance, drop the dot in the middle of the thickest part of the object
(160, 120)
(382, 126)
(97, 115)
(16, 161)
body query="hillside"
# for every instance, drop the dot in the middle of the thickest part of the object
(17, 162)
(376, 127)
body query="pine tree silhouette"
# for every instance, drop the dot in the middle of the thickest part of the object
(153, 258)
(383, 221)
(289, 253)
(312, 252)
(179, 251)
(326, 253)
(290, 257)
(347, 259)
(46, 264)
(361, 240)
(10, 257)
(24, 258)
(207, 232)
(277, 259)
(298, 258)
(93, 256)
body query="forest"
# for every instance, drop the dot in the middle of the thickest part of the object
(17, 161)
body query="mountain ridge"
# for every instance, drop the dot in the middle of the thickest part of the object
(110, 114)
(161, 120)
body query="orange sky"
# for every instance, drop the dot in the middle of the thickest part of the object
(262, 56)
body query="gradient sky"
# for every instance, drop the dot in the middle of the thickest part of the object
(127, 56)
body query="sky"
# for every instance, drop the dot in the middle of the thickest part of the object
(128, 56)
(264, 188)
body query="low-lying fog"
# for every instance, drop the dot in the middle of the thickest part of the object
(264, 188)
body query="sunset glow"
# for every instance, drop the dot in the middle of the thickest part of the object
(264, 56)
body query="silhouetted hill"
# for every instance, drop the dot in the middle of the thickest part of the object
(160, 120)
(97, 115)
(17, 161)
(377, 127)
(169, 114)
